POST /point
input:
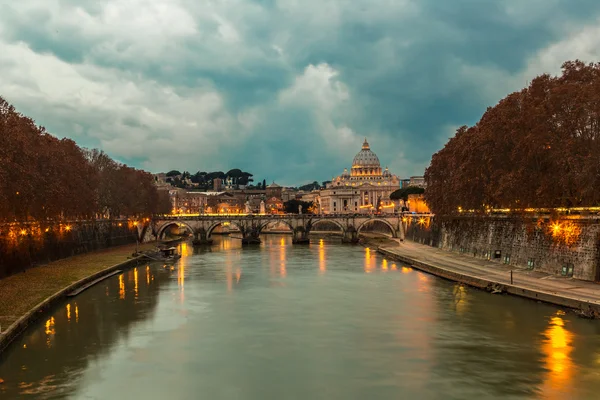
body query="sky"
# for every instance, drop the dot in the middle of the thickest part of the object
(284, 89)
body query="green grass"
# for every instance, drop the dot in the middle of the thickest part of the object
(21, 292)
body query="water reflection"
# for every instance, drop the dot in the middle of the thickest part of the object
(135, 282)
(460, 298)
(557, 348)
(121, 287)
(322, 262)
(369, 261)
(370, 328)
(282, 255)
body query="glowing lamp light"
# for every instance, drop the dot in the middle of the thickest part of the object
(23, 232)
(68, 228)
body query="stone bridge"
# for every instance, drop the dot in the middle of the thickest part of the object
(251, 226)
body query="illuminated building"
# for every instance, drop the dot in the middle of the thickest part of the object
(365, 189)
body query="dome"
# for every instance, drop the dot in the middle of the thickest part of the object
(366, 158)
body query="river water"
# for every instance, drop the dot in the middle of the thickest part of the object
(325, 321)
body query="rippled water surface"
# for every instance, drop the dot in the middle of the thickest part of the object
(324, 321)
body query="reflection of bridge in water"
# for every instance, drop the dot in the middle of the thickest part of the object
(251, 226)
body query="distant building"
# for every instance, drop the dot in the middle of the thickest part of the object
(274, 190)
(217, 184)
(416, 203)
(365, 189)
(288, 194)
(223, 202)
(418, 181)
(274, 205)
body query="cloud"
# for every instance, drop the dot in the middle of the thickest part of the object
(286, 89)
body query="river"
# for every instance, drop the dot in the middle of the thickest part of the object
(325, 321)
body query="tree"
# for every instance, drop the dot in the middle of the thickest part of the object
(538, 147)
(264, 184)
(292, 206)
(173, 173)
(402, 194)
(310, 187)
(43, 177)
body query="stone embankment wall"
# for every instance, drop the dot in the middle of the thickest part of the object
(556, 245)
(23, 246)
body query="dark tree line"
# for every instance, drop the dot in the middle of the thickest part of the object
(539, 147)
(293, 206)
(205, 180)
(43, 177)
(402, 194)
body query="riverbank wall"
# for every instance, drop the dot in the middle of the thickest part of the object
(565, 245)
(588, 308)
(9, 334)
(26, 245)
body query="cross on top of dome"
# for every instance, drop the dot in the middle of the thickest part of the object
(365, 145)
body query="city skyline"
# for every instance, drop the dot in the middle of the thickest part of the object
(284, 90)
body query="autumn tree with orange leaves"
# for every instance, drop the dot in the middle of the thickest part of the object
(46, 178)
(539, 147)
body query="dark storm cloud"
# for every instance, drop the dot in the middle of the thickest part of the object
(284, 89)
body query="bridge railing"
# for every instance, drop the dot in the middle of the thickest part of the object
(175, 217)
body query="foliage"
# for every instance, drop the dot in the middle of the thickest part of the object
(310, 187)
(402, 194)
(539, 147)
(43, 177)
(173, 173)
(291, 206)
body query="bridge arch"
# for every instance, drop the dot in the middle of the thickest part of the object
(279, 221)
(212, 227)
(320, 220)
(371, 220)
(163, 228)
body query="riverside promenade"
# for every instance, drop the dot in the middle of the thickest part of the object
(495, 276)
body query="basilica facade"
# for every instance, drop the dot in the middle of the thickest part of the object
(365, 189)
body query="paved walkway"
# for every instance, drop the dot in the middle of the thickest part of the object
(568, 288)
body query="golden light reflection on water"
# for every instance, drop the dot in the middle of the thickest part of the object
(121, 287)
(50, 326)
(460, 298)
(423, 283)
(282, 260)
(76, 313)
(322, 262)
(557, 348)
(185, 252)
(406, 270)
(147, 275)
(135, 282)
(68, 312)
(369, 261)
(384, 265)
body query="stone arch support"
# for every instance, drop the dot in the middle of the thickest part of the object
(161, 229)
(334, 221)
(371, 220)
